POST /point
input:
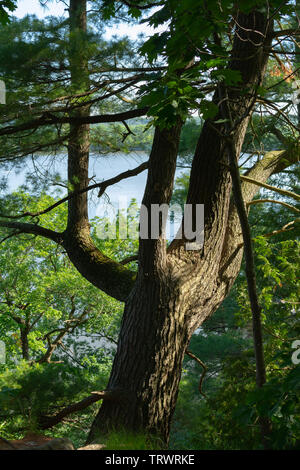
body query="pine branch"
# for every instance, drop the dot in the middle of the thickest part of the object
(48, 119)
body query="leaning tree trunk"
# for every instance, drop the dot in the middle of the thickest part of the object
(147, 367)
(176, 290)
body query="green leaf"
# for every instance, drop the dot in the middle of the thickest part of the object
(135, 12)
(208, 109)
(230, 77)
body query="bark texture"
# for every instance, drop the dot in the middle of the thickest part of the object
(100, 270)
(176, 290)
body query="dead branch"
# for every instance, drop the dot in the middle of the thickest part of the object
(285, 228)
(283, 192)
(129, 259)
(285, 204)
(46, 422)
(10, 444)
(203, 373)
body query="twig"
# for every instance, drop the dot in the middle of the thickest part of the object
(283, 229)
(103, 185)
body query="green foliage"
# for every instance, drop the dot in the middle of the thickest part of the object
(195, 48)
(188, 139)
(54, 297)
(117, 236)
(171, 98)
(30, 391)
(5, 5)
(228, 417)
(194, 44)
(34, 63)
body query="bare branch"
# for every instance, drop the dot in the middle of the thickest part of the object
(285, 32)
(47, 422)
(285, 204)
(203, 373)
(129, 259)
(249, 256)
(283, 192)
(10, 444)
(103, 185)
(285, 228)
(121, 176)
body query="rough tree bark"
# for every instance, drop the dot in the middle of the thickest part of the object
(177, 290)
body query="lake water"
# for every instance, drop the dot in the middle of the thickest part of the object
(102, 167)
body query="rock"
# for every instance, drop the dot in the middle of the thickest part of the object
(93, 447)
(29, 441)
(37, 442)
(55, 444)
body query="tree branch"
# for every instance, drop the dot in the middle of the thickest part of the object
(273, 162)
(285, 32)
(48, 119)
(288, 206)
(286, 228)
(249, 257)
(103, 186)
(283, 192)
(203, 373)
(129, 259)
(121, 176)
(33, 229)
(46, 422)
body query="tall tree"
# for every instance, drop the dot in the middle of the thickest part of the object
(174, 290)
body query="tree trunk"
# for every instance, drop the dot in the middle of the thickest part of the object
(147, 365)
(24, 342)
(176, 290)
